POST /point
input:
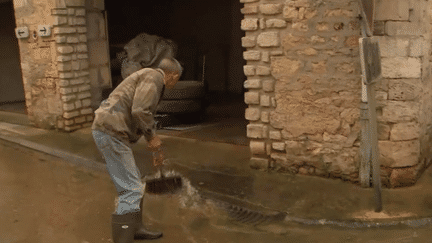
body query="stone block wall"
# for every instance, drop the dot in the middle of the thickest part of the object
(55, 68)
(73, 64)
(304, 87)
(97, 42)
(38, 64)
(404, 95)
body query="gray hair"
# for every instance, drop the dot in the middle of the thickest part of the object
(170, 64)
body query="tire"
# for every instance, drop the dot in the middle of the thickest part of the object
(190, 118)
(185, 90)
(179, 106)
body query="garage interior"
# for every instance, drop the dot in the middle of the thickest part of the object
(11, 86)
(208, 39)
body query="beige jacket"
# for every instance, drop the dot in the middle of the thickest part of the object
(128, 112)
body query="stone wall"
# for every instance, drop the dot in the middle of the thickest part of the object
(405, 93)
(97, 42)
(38, 64)
(55, 68)
(70, 35)
(304, 87)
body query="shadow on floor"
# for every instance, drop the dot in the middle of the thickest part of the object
(16, 107)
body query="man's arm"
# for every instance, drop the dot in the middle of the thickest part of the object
(145, 98)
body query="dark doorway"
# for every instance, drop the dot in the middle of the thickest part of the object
(203, 30)
(11, 86)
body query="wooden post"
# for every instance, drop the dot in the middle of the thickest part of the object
(371, 68)
(365, 147)
(374, 146)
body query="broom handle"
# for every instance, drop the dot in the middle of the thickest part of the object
(160, 167)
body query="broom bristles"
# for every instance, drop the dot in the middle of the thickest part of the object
(164, 185)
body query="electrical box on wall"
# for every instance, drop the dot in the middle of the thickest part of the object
(22, 32)
(44, 30)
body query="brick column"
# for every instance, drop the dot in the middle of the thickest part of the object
(261, 24)
(73, 64)
(405, 93)
(55, 67)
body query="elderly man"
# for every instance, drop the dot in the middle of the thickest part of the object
(120, 121)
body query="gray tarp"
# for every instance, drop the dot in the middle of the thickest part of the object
(146, 51)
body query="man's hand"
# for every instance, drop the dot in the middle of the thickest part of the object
(155, 144)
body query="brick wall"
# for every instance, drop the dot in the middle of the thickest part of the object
(56, 69)
(70, 34)
(304, 86)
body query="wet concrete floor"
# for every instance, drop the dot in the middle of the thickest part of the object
(224, 168)
(45, 199)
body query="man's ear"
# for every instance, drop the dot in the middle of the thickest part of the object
(176, 76)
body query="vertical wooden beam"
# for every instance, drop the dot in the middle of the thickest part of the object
(374, 146)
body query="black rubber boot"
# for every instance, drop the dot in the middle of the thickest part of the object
(142, 233)
(124, 227)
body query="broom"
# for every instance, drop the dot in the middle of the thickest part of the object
(163, 184)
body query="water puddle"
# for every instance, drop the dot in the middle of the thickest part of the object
(199, 211)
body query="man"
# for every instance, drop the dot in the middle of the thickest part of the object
(120, 121)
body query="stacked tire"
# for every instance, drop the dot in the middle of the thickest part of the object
(185, 101)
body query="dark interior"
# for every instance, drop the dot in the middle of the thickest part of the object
(199, 28)
(11, 85)
(209, 29)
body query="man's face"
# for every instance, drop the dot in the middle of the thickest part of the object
(171, 79)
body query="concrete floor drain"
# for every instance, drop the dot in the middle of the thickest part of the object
(191, 197)
(248, 216)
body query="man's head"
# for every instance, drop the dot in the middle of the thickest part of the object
(173, 71)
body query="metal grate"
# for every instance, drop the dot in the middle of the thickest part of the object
(248, 216)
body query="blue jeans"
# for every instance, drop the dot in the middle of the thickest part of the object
(124, 173)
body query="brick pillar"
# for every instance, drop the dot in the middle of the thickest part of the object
(73, 64)
(261, 24)
(405, 93)
(55, 67)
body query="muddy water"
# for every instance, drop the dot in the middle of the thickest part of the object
(43, 199)
(188, 217)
